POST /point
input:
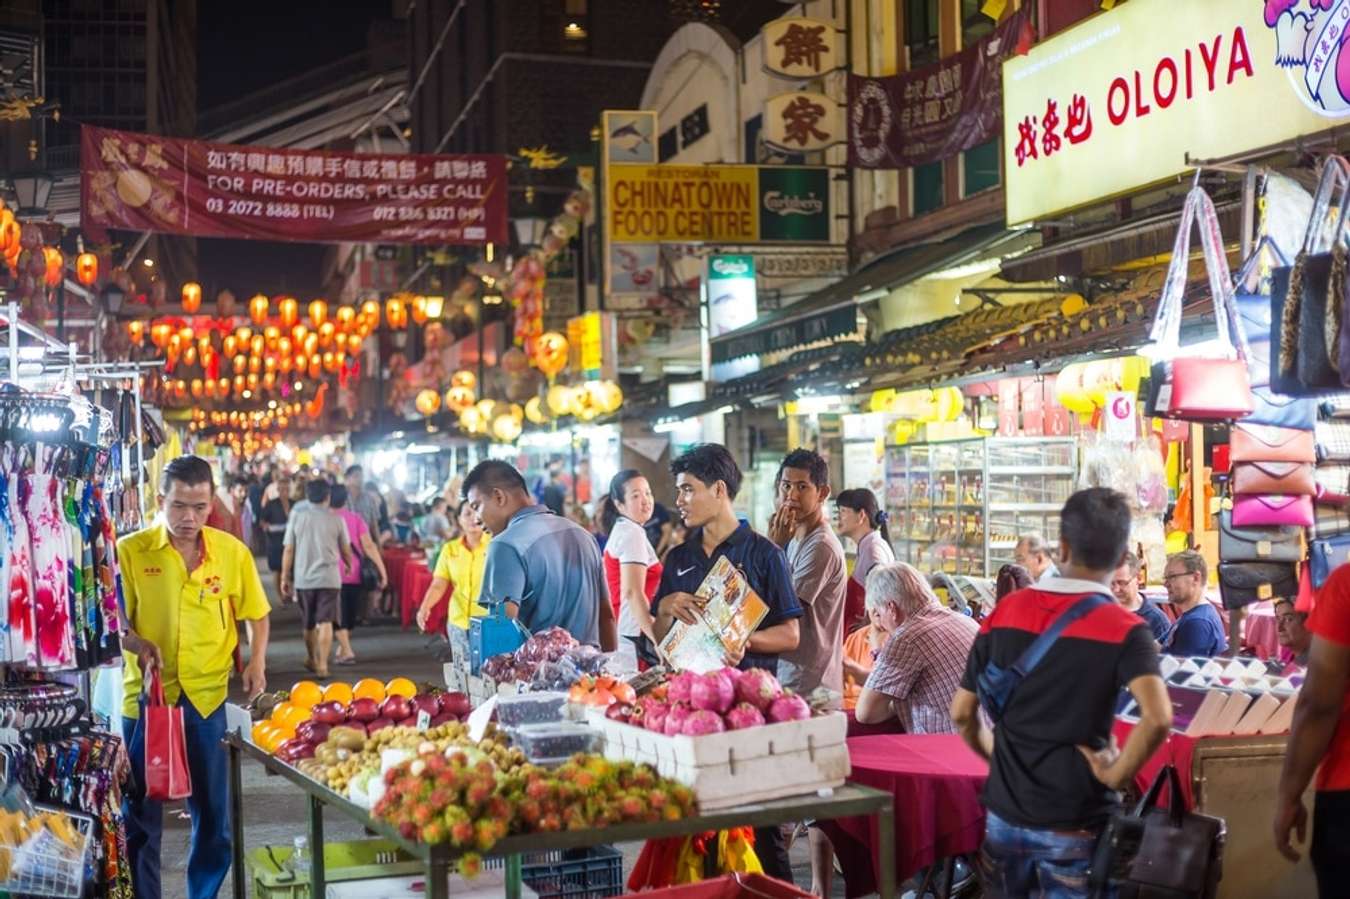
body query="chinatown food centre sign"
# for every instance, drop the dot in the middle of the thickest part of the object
(144, 182)
(1118, 102)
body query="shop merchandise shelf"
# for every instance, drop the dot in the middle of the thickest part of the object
(436, 861)
(976, 495)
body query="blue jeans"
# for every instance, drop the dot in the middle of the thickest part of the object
(209, 854)
(1047, 864)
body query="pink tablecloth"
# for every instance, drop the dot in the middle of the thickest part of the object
(1177, 750)
(416, 581)
(1262, 634)
(936, 781)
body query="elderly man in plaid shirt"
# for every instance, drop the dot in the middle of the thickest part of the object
(918, 671)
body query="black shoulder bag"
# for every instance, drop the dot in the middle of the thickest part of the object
(995, 685)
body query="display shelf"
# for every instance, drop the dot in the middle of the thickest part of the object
(847, 801)
(1025, 507)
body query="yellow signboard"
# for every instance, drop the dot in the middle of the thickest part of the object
(682, 203)
(586, 335)
(1118, 101)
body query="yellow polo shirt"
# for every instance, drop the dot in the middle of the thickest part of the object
(463, 568)
(190, 617)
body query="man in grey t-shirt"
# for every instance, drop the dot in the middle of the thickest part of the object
(546, 568)
(317, 550)
(819, 573)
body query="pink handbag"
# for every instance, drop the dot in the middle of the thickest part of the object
(1288, 478)
(1275, 510)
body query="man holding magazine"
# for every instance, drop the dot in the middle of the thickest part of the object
(706, 482)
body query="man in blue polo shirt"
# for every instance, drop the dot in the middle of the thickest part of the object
(1198, 630)
(546, 568)
(706, 482)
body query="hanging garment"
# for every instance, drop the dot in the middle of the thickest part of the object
(50, 543)
(22, 616)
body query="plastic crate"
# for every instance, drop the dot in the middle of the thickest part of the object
(44, 866)
(343, 862)
(590, 873)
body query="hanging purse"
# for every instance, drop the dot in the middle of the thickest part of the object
(1272, 511)
(1267, 544)
(1267, 443)
(1274, 477)
(1194, 388)
(1243, 583)
(1325, 556)
(1254, 311)
(167, 775)
(1307, 299)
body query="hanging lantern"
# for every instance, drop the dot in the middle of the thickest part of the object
(609, 396)
(464, 378)
(10, 232)
(370, 312)
(419, 310)
(488, 408)
(285, 363)
(192, 297)
(311, 344)
(284, 346)
(301, 362)
(204, 344)
(209, 388)
(550, 353)
(257, 345)
(189, 355)
(534, 411)
(345, 316)
(271, 335)
(289, 310)
(354, 342)
(298, 334)
(245, 334)
(253, 380)
(471, 420)
(55, 266)
(559, 400)
(394, 314)
(428, 402)
(175, 346)
(136, 331)
(318, 313)
(506, 428)
(223, 387)
(326, 332)
(240, 364)
(196, 389)
(230, 346)
(254, 364)
(269, 381)
(330, 362)
(270, 363)
(240, 384)
(340, 341)
(86, 268)
(257, 309)
(315, 367)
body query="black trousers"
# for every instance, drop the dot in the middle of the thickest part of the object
(1330, 851)
(772, 851)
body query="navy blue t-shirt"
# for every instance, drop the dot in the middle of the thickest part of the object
(1156, 619)
(1198, 632)
(757, 557)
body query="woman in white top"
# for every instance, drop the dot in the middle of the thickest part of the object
(631, 566)
(865, 523)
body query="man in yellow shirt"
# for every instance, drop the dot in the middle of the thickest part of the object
(185, 586)
(458, 568)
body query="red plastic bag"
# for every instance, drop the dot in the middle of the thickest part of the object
(166, 767)
(731, 886)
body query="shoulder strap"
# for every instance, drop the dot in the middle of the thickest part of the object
(1033, 654)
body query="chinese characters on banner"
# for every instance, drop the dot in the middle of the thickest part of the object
(803, 122)
(937, 111)
(798, 47)
(144, 182)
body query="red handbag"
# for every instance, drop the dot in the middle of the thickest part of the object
(166, 767)
(1199, 388)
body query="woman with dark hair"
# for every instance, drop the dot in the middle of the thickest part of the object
(861, 520)
(1010, 579)
(276, 511)
(631, 566)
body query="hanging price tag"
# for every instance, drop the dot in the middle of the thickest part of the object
(994, 8)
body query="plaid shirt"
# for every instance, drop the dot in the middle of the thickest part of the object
(920, 668)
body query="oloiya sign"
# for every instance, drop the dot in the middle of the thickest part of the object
(1119, 101)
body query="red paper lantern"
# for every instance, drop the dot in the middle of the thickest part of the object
(289, 310)
(55, 266)
(192, 297)
(257, 309)
(318, 313)
(86, 268)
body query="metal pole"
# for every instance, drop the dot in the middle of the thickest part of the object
(317, 888)
(140, 455)
(61, 312)
(14, 342)
(849, 180)
(237, 821)
(1237, 617)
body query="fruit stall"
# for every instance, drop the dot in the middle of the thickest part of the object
(552, 754)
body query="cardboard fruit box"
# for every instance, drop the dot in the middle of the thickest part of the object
(742, 766)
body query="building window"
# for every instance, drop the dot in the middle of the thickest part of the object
(927, 193)
(669, 144)
(576, 26)
(921, 32)
(980, 167)
(974, 24)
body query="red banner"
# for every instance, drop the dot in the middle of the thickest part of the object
(143, 182)
(937, 111)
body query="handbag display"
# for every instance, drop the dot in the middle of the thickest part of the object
(1266, 544)
(1325, 556)
(1268, 443)
(166, 768)
(1274, 477)
(1332, 441)
(1272, 511)
(1254, 311)
(1243, 583)
(1155, 852)
(1278, 410)
(1195, 388)
(1307, 299)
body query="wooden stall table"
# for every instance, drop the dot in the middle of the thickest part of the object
(935, 781)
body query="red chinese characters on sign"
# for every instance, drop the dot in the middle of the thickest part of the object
(803, 45)
(1040, 136)
(800, 118)
(145, 182)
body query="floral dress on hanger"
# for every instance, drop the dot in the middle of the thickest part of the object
(18, 568)
(50, 540)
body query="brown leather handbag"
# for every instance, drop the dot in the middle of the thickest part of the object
(1268, 443)
(1295, 478)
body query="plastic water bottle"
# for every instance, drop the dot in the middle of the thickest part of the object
(300, 856)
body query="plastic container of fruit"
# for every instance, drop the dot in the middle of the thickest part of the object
(555, 741)
(530, 709)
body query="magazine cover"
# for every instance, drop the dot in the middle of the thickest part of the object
(729, 615)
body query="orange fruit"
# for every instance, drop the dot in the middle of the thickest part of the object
(277, 736)
(400, 686)
(338, 692)
(295, 716)
(306, 694)
(261, 732)
(369, 688)
(280, 711)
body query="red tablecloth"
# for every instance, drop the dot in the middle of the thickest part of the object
(1262, 634)
(857, 729)
(416, 580)
(936, 782)
(1177, 750)
(395, 560)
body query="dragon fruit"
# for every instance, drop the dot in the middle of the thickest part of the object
(744, 715)
(703, 721)
(677, 688)
(757, 687)
(675, 718)
(713, 691)
(654, 718)
(789, 707)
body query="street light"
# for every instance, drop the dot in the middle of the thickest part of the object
(31, 190)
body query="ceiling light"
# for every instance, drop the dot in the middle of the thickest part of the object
(149, 263)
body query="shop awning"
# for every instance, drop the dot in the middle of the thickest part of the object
(832, 311)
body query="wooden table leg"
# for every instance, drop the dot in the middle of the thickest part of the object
(886, 850)
(318, 889)
(237, 823)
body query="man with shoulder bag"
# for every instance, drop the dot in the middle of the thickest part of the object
(1048, 666)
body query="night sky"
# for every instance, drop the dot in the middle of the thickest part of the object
(247, 45)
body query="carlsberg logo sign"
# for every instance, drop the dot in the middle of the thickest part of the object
(794, 204)
(780, 204)
(733, 266)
